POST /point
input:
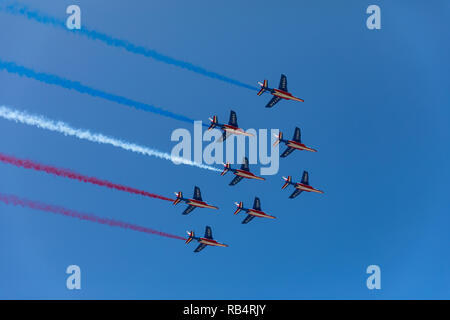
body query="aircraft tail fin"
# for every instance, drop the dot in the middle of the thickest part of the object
(288, 182)
(214, 122)
(263, 87)
(226, 169)
(178, 199)
(279, 138)
(191, 236)
(240, 205)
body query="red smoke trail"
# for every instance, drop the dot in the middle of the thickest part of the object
(28, 164)
(14, 200)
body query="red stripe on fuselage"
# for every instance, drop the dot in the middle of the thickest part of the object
(285, 95)
(258, 213)
(247, 174)
(282, 92)
(211, 242)
(200, 204)
(231, 127)
(235, 130)
(307, 188)
(299, 146)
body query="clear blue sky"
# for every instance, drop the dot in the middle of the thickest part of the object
(376, 107)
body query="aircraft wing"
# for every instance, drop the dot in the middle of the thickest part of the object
(233, 119)
(305, 178)
(247, 219)
(188, 209)
(283, 83)
(200, 247)
(208, 233)
(297, 135)
(257, 204)
(236, 180)
(197, 194)
(295, 193)
(272, 102)
(287, 152)
(244, 165)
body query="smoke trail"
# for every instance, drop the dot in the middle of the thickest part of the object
(28, 164)
(66, 129)
(77, 86)
(16, 201)
(22, 10)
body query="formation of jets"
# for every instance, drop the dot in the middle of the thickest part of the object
(244, 171)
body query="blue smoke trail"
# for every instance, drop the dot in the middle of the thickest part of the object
(18, 9)
(77, 86)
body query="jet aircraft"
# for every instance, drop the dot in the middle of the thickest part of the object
(207, 240)
(244, 172)
(295, 143)
(196, 202)
(230, 128)
(300, 186)
(251, 213)
(278, 94)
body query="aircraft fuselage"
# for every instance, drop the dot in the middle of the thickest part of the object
(284, 95)
(247, 174)
(199, 204)
(299, 146)
(258, 213)
(235, 130)
(307, 188)
(211, 242)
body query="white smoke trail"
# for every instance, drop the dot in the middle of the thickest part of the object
(64, 128)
